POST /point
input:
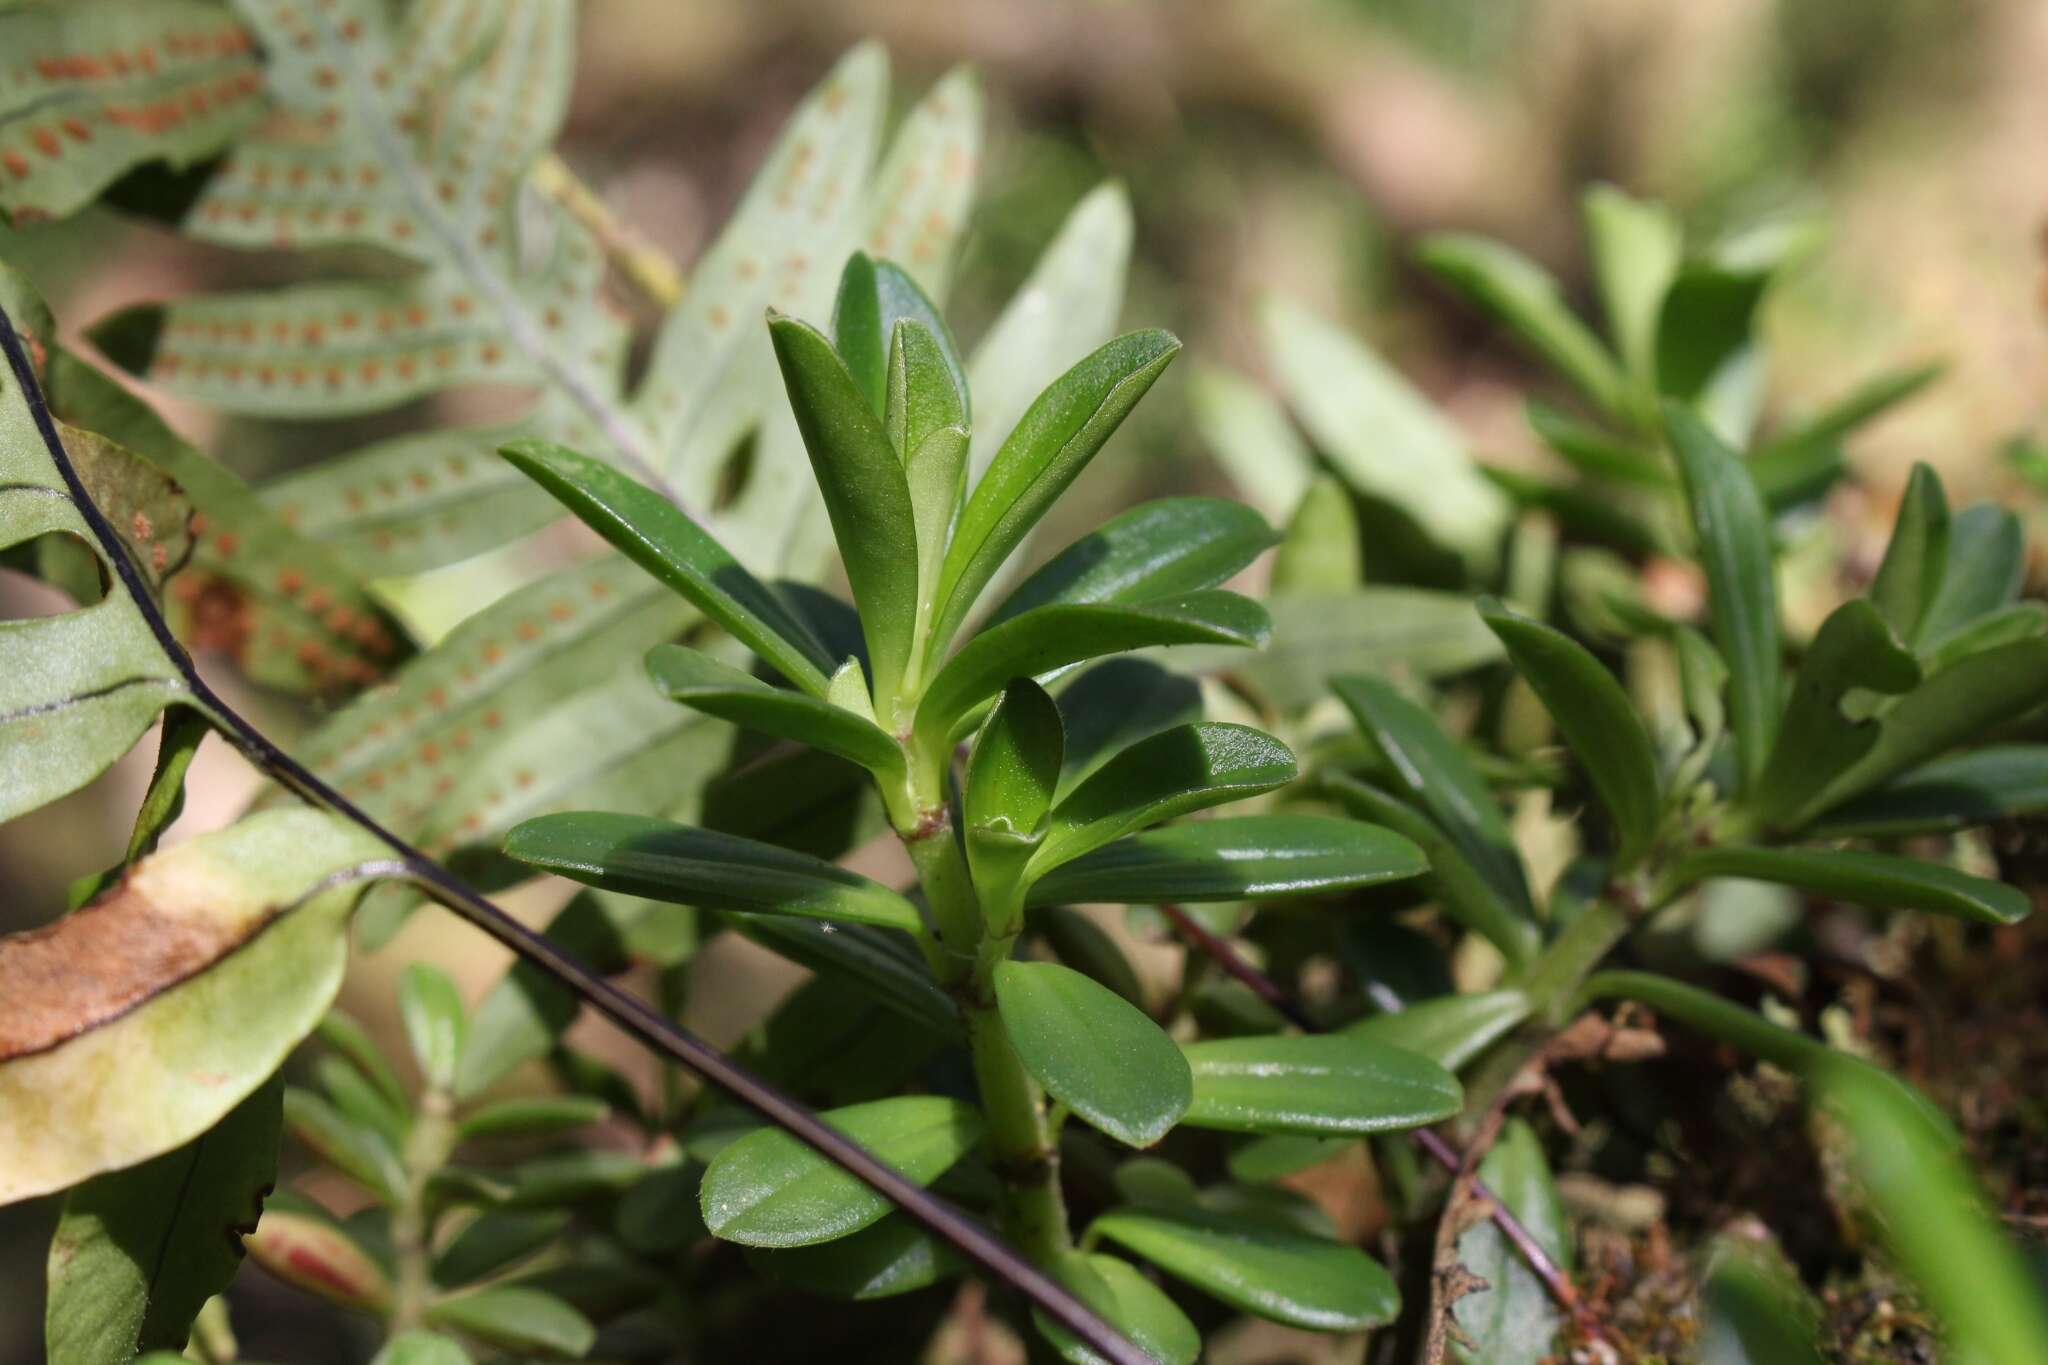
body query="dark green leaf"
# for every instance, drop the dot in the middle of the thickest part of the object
(654, 534)
(1167, 548)
(769, 1190)
(643, 856)
(1957, 792)
(883, 962)
(1450, 1031)
(1441, 780)
(1597, 721)
(1054, 440)
(1756, 1310)
(718, 689)
(518, 1319)
(534, 1117)
(893, 1257)
(1324, 1084)
(1052, 637)
(573, 1177)
(1855, 648)
(1878, 880)
(1916, 560)
(1735, 547)
(494, 1240)
(1093, 1050)
(866, 494)
(1128, 1302)
(1115, 704)
(361, 1102)
(1188, 768)
(1087, 947)
(1706, 334)
(1010, 780)
(662, 1213)
(874, 297)
(137, 1252)
(435, 1023)
(1266, 1270)
(1513, 1321)
(1245, 857)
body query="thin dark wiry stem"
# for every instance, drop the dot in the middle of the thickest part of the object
(1273, 993)
(624, 1009)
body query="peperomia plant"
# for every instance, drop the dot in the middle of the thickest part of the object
(1002, 815)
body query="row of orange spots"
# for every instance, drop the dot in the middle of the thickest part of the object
(79, 66)
(347, 322)
(334, 377)
(151, 118)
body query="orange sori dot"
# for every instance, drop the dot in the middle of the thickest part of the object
(319, 600)
(561, 611)
(340, 620)
(528, 631)
(493, 651)
(289, 581)
(16, 163)
(226, 543)
(492, 719)
(78, 130)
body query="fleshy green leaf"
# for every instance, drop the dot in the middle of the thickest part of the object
(1593, 452)
(1706, 340)
(1936, 1221)
(769, 1190)
(874, 298)
(1879, 880)
(1128, 1302)
(643, 856)
(1079, 942)
(1635, 247)
(1172, 773)
(137, 1252)
(1264, 1269)
(1450, 1031)
(895, 1256)
(1735, 548)
(1856, 647)
(718, 689)
(1383, 437)
(1255, 440)
(1324, 1084)
(654, 534)
(1517, 292)
(1957, 792)
(1916, 559)
(1093, 1050)
(1597, 721)
(518, 1319)
(1512, 1321)
(212, 958)
(435, 1022)
(865, 492)
(1986, 564)
(1115, 704)
(1051, 443)
(1010, 781)
(1049, 638)
(1166, 548)
(358, 1151)
(1245, 857)
(1441, 780)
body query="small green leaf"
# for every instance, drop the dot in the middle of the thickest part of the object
(1986, 565)
(1050, 445)
(654, 534)
(1957, 792)
(1010, 781)
(421, 1348)
(1167, 548)
(874, 298)
(1756, 1311)
(1512, 1321)
(1450, 1031)
(1253, 437)
(1441, 780)
(1879, 880)
(1909, 579)
(360, 1153)
(1261, 1268)
(361, 1102)
(537, 1116)
(1325, 1084)
(1093, 1051)
(885, 963)
(1320, 551)
(435, 1022)
(1597, 721)
(340, 1031)
(643, 856)
(1244, 857)
(1636, 247)
(1052, 637)
(518, 1319)
(1517, 292)
(1115, 704)
(494, 1240)
(1706, 341)
(1130, 1303)
(718, 689)
(137, 1252)
(576, 1176)
(893, 1257)
(1936, 1221)
(1735, 548)
(865, 492)
(769, 1190)
(1856, 647)
(661, 1212)
(1593, 452)
(1188, 768)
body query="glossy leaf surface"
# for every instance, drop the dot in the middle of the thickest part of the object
(1245, 857)
(1321, 1084)
(1093, 1050)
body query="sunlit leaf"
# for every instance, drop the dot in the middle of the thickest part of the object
(1245, 857)
(1093, 1051)
(1323, 1084)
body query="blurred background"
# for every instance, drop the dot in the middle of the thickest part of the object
(1296, 146)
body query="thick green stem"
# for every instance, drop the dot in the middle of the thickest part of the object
(1022, 1141)
(427, 1148)
(949, 891)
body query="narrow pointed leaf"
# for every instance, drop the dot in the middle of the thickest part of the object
(1636, 247)
(493, 1241)
(1438, 777)
(1986, 564)
(1958, 792)
(540, 1116)
(435, 1022)
(866, 496)
(1050, 445)
(1010, 781)
(1597, 720)
(1512, 1321)
(769, 1190)
(883, 963)
(1188, 768)
(1332, 1083)
(1735, 548)
(1131, 1303)
(1246, 857)
(643, 856)
(1259, 1267)
(1166, 548)
(718, 689)
(1081, 943)
(654, 534)
(875, 297)
(1450, 1031)
(1319, 553)
(1879, 880)
(518, 1319)
(1093, 1051)
(1053, 637)
(1916, 559)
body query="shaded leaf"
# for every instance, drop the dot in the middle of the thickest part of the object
(718, 689)
(1010, 780)
(1167, 548)
(519, 1319)
(1916, 559)
(1879, 880)
(1513, 1321)
(1952, 793)
(1756, 1310)
(1130, 1303)
(1986, 563)
(493, 1241)
(1113, 705)
(894, 1256)
(1093, 1050)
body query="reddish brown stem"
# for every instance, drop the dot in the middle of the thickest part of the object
(1273, 993)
